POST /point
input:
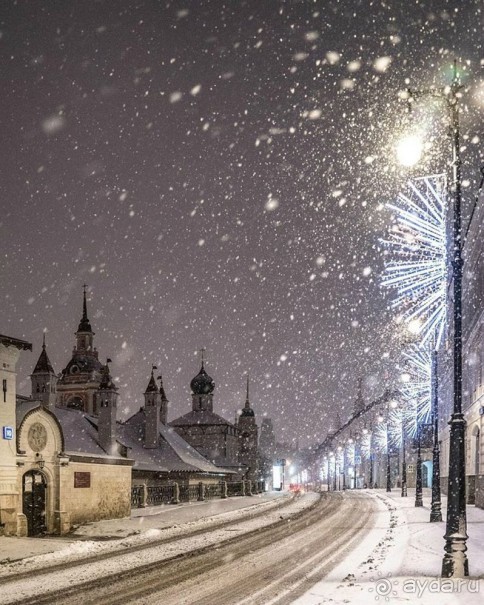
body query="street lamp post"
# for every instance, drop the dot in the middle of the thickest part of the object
(455, 562)
(404, 464)
(355, 460)
(334, 478)
(436, 505)
(418, 482)
(391, 404)
(389, 470)
(371, 470)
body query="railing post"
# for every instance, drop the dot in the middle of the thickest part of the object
(224, 489)
(176, 494)
(144, 497)
(243, 487)
(249, 490)
(201, 491)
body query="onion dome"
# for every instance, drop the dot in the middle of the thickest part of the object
(247, 412)
(202, 384)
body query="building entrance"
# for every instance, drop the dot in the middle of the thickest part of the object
(34, 489)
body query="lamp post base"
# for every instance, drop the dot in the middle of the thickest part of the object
(455, 563)
(436, 512)
(404, 490)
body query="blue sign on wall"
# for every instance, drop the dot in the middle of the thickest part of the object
(8, 432)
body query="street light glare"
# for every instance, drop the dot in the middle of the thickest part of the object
(414, 326)
(409, 150)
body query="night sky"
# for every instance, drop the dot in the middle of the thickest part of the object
(216, 172)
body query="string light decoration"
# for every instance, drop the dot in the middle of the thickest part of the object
(417, 269)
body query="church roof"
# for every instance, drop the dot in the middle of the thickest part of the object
(152, 387)
(79, 432)
(247, 412)
(173, 454)
(9, 341)
(205, 417)
(84, 364)
(43, 365)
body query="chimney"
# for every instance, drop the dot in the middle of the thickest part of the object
(107, 412)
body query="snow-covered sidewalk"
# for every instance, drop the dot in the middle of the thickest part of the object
(145, 524)
(400, 559)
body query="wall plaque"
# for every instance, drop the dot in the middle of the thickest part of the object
(82, 479)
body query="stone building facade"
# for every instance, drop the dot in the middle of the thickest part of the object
(213, 436)
(11, 520)
(53, 472)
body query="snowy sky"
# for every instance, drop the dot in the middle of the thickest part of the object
(216, 173)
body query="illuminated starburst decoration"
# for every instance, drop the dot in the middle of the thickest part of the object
(416, 391)
(417, 269)
(388, 433)
(380, 437)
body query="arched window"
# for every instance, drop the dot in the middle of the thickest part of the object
(75, 403)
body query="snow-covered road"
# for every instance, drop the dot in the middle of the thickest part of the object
(268, 559)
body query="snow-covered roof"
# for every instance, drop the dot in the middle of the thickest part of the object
(201, 417)
(173, 454)
(80, 435)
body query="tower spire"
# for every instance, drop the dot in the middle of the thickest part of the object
(84, 304)
(44, 380)
(247, 404)
(152, 388)
(84, 325)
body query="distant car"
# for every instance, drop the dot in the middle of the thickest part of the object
(296, 488)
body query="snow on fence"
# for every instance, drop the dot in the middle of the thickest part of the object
(155, 495)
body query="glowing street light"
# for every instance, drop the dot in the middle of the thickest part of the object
(455, 562)
(414, 326)
(409, 150)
